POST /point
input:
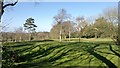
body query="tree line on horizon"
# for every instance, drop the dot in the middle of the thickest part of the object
(102, 27)
(66, 26)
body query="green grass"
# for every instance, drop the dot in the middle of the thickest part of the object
(54, 53)
(92, 39)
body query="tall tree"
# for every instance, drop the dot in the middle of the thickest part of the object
(103, 28)
(60, 18)
(111, 14)
(54, 32)
(67, 29)
(81, 24)
(30, 26)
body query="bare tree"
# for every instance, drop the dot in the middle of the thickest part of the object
(61, 18)
(54, 32)
(67, 29)
(81, 24)
(3, 5)
(18, 34)
(111, 14)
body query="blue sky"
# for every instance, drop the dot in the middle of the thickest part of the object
(44, 12)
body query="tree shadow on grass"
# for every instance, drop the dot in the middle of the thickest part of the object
(71, 59)
(45, 52)
(18, 53)
(111, 49)
(26, 43)
(59, 55)
(29, 49)
(23, 44)
(46, 61)
(22, 58)
(103, 59)
(46, 40)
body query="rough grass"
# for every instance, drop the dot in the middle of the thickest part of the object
(37, 54)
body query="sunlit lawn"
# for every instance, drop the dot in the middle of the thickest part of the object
(55, 53)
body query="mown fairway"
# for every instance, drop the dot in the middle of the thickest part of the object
(53, 53)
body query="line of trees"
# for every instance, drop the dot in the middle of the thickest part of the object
(19, 35)
(25, 33)
(103, 27)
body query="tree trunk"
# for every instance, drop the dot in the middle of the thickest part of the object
(79, 36)
(95, 34)
(65, 37)
(20, 39)
(1, 10)
(69, 35)
(29, 36)
(118, 40)
(60, 36)
(118, 33)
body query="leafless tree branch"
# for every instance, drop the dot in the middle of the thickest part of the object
(10, 4)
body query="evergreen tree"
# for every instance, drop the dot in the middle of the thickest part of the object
(30, 27)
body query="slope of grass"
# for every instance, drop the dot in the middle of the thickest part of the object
(36, 54)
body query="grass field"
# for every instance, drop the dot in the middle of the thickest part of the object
(89, 52)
